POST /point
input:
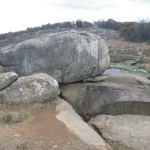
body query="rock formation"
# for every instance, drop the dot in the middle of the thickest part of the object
(79, 56)
(124, 131)
(75, 123)
(7, 78)
(67, 56)
(118, 94)
(29, 89)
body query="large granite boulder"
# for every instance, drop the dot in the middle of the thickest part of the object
(7, 78)
(67, 56)
(29, 89)
(75, 124)
(126, 132)
(118, 94)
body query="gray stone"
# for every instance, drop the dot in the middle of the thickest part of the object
(75, 124)
(119, 94)
(131, 62)
(29, 89)
(67, 56)
(96, 79)
(140, 70)
(114, 71)
(7, 78)
(128, 79)
(127, 131)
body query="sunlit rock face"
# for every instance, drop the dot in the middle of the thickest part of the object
(67, 56)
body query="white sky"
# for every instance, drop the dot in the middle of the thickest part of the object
(20, 14)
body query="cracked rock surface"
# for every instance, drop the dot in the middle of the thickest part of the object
(67, 56)
(127, 131)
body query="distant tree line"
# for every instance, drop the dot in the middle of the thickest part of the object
(132, 31)
(78, 24)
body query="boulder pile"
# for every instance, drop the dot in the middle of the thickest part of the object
(116, 105)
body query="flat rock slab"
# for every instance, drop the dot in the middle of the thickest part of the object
(30, 89)
(7, 78)
(130, 131)
(67, 56)
(128, 79)
(75, 124)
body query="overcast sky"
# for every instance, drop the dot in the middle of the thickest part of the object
(20, 14)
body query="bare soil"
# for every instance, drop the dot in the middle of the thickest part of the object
(41, 131)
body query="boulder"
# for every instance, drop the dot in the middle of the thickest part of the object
(124, 131)
(67, 56)
(7, 78)
(119, 94)
(75, 124)
(29, 89)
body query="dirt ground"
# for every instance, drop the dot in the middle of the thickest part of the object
(41, 131)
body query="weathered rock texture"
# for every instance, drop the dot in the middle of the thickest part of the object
(75, 124)
(7, 78)
(67, 56)
(125, 131)
(34, 88)
(119, 94)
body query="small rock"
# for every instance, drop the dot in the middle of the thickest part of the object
(140, 70)
(7, 119)
(17, 135)
(148, 77)
(141, 67)
(130, 62)
(38, 105)
(16, 116)
(12, 117)
(7, 78)
(143, 70)
(55, 146)
(95, 80)
(99, 79)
